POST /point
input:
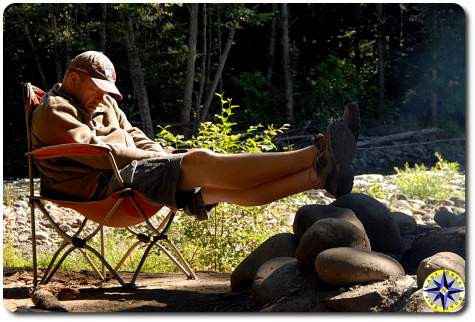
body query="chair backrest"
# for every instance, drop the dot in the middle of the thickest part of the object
(31, 99)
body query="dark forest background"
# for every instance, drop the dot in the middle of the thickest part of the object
(282, 63)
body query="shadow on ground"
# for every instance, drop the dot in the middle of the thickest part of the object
(156, 292)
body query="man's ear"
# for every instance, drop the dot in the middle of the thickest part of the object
(73, 77)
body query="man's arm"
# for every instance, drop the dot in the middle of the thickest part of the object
(60, 123)
(140, 139)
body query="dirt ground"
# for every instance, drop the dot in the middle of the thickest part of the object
(155, 292)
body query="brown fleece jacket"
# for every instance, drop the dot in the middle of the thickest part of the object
(59, 119)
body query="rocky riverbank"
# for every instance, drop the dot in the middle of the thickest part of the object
(289, 272)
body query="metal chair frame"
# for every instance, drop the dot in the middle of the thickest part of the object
(156, 236)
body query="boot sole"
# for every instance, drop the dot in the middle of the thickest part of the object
(342, 146)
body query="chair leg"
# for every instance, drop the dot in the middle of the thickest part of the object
(127, 254)
(91, 263)
(142, 261)
(46, 278)
(101, 258)
(103, 268)
(53, 260)
(174, 260)
(180, 256)
(33, 242)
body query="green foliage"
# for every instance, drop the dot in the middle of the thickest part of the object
(228, 236)
(260, 104)
(374, 189)
(10, 194)
(220, 137)
(332, 83)
(12, 257)
(420, 182)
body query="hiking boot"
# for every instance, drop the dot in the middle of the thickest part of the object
(351, 117)
(333, 162)
(195, 205)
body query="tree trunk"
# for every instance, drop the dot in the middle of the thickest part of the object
(219, 45)
(272, 42)
(137, 76)
(434, 99)
(289, 106)
(381, 56)
(217, 76)
(57, 58)
(358, 61)
(36, 56)
(190, 66)
(103, 32)
(203, 66)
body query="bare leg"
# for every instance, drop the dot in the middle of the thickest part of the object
(241, 171)
(265, 193)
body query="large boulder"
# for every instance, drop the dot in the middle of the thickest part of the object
(445, 217)
(301, 300)
(374, 297)
(414, 302)
(380, 226)
(307, 215)
(328, 233)
(349, 266)
(280, 245)
(277, 278)
(433, 242)
(406, 223)
(443, 260)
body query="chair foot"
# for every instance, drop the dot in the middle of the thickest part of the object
(130, 286)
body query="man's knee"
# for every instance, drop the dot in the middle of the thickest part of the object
(200, 156)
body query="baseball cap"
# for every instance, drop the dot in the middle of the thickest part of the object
(100, 68)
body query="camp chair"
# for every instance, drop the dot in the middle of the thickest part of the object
(124, 208)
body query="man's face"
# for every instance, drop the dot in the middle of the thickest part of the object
(87, 93)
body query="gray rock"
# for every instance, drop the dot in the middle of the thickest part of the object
(406, 242)
(446, 203)
(348, 266)
(381, 228)
(301, 300)
(414, 303)
(401, 204)
(458, 202)
(445, 217)
(21, 204)
(307, 215)
(328, 233)
(41, 235)
(418, 203)
(433, 242)
(280, 245)
(21, 221)
(374, 297)
(407, 224)
(458, 211)
(277, 278)
(401, 196)
(442, 260)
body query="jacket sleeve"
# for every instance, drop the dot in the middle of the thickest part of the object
(140, 139)
(64, 126)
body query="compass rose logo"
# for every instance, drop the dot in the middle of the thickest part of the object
(443, 290)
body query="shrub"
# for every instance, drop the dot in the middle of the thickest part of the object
(437, 183)
(231, 232)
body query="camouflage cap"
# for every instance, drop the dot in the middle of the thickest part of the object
(100, 68)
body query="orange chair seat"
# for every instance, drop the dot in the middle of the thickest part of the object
(124, 216)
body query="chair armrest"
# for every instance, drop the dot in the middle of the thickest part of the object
(72, 149)
(77, 149)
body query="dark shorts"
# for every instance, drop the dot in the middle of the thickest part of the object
(156, 179)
